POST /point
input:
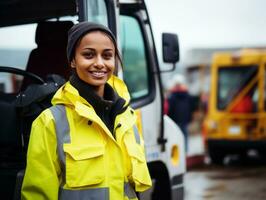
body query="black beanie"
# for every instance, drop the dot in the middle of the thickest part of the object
(79, 30)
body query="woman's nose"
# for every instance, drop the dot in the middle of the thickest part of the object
(99, 62)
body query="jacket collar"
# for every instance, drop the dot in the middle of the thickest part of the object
(107, 107)
(68, 95)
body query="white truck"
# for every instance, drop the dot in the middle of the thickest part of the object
(35, 31)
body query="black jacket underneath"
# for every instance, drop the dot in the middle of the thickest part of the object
(107, 108)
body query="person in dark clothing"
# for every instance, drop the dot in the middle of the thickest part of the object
(179, 107)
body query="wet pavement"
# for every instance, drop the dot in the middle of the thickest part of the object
(239, 178)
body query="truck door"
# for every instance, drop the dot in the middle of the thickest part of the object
(140, 63)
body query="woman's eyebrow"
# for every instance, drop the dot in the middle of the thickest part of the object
(88, 48)
(92, 49)
(109, 49)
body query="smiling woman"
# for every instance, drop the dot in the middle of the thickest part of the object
(87, 141)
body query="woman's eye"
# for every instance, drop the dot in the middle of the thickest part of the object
(108, 55)
(88, 54)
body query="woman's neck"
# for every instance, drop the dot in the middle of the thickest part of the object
(99, 90)
(76, 81)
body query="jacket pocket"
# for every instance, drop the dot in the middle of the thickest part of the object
(140, 172)
(84, 165)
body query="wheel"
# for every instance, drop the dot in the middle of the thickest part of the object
(262, 153)
(161, 186)
(216, 153)
(217, 157)
(29, 75)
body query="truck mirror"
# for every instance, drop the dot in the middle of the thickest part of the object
(170, 48)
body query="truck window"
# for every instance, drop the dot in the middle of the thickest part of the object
(15, 47)
(232, 81)
(16, 44)
(135, 69)
(97, 11)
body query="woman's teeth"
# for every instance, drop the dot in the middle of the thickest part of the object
(98, 74)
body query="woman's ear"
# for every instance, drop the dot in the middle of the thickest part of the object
(73, 63)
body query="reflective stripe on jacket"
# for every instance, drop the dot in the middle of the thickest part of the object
(73, 155)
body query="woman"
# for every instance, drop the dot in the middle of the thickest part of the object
(87, 146)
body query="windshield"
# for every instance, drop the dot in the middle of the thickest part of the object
(231, 81)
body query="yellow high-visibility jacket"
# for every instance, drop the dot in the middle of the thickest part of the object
(73, 155)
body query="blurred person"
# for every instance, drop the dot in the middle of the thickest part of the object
(179, 107)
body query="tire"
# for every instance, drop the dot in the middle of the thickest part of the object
(216, 158)
(216, 155)
(262, 153)
(161, 185)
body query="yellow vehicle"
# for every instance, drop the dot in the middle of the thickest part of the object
(236, 117)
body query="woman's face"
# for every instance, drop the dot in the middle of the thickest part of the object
(94, 59)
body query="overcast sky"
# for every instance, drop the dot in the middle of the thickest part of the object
(198, 23)
(210, 23)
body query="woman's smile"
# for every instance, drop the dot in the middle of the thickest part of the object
(98, 74)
